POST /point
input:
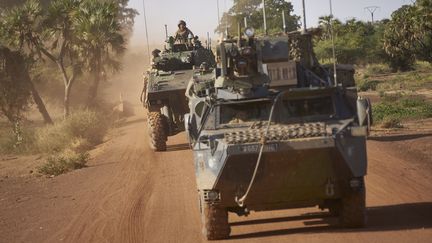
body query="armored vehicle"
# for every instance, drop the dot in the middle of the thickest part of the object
(270, 129)
(165, 84)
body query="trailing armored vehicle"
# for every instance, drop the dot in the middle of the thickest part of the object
(165, 84)
(270, 129)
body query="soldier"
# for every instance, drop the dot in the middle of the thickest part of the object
(183, 33)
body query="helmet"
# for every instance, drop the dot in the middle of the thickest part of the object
(181, 22)
(156, 52)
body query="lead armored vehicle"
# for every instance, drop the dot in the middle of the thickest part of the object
(270, 129)
(165, 84)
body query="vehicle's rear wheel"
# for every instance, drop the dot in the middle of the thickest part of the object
(352, 213)
(335, 208)
(168, 124)
(157, 131)
(215, 222)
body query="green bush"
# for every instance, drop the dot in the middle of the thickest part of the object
(391, 122)
(374, 69)
(367, 85)
(64, 162)
(86, 126)
(395, 108)
(8, 142)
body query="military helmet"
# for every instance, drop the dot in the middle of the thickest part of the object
(181, 22)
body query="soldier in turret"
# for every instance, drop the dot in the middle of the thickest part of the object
(183, 33)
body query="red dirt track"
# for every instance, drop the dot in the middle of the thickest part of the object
(130, 194)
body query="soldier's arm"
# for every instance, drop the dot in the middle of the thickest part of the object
(191, 33)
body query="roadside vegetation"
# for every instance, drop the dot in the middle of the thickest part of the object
(60, 53)
(398, 97)
(392, 56)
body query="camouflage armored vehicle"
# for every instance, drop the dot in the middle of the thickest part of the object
(271, 130)
(165, 84)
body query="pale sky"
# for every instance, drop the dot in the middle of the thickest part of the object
(201, 15)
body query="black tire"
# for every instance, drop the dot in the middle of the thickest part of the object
(166, 113)
(353, 209)
(157, 131)
(335, 208)
(215, 222)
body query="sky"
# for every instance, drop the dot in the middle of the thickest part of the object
(202, 15)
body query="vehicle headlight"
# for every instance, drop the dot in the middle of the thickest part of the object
(250, 32)
(213, 195)
(212, 163)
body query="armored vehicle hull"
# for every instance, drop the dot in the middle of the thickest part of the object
(276, 132)
(164, 89)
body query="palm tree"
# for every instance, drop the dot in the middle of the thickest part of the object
(99, 40)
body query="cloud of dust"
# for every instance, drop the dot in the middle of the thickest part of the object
(128, 83)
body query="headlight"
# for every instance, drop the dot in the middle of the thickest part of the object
(213, 195)
(359, 131)
(250, 32)
(212, 163)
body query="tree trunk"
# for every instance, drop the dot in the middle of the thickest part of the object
(93, 91)
(66, 102)
(39, 103)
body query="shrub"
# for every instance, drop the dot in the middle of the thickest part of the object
(85, 128)
(87, 124)
(391, 122)
(367, 85)
(395, 108)
(374, 69)
(63, 162)
(8, 142)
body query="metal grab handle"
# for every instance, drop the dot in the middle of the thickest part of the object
(241, 201)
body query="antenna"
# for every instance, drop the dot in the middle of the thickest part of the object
(218, 11)
(146, 30)
(166, 31)
(265, 17)
(226, 20)
(208, 40)
(304, 17)
(333, 44)
(372, 10)
(284, 21)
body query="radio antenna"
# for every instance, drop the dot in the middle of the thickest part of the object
(304, 17)
(146, 31)
(218, 11)
(333, 44)
(265, 17)
(284, 21)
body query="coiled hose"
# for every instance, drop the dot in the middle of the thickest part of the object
(242, 200)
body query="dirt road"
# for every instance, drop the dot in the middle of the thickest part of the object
(130, 194)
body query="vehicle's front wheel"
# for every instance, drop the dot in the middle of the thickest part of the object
(157, 131)
(352, 213)
(215, 222)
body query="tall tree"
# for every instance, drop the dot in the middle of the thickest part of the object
(46, 33)
(252, 10)
(99, 40)
(408, 36)
(399, 37)
(14, 25)
(15, 91)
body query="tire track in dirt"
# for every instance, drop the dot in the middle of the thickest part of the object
(131, 194)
